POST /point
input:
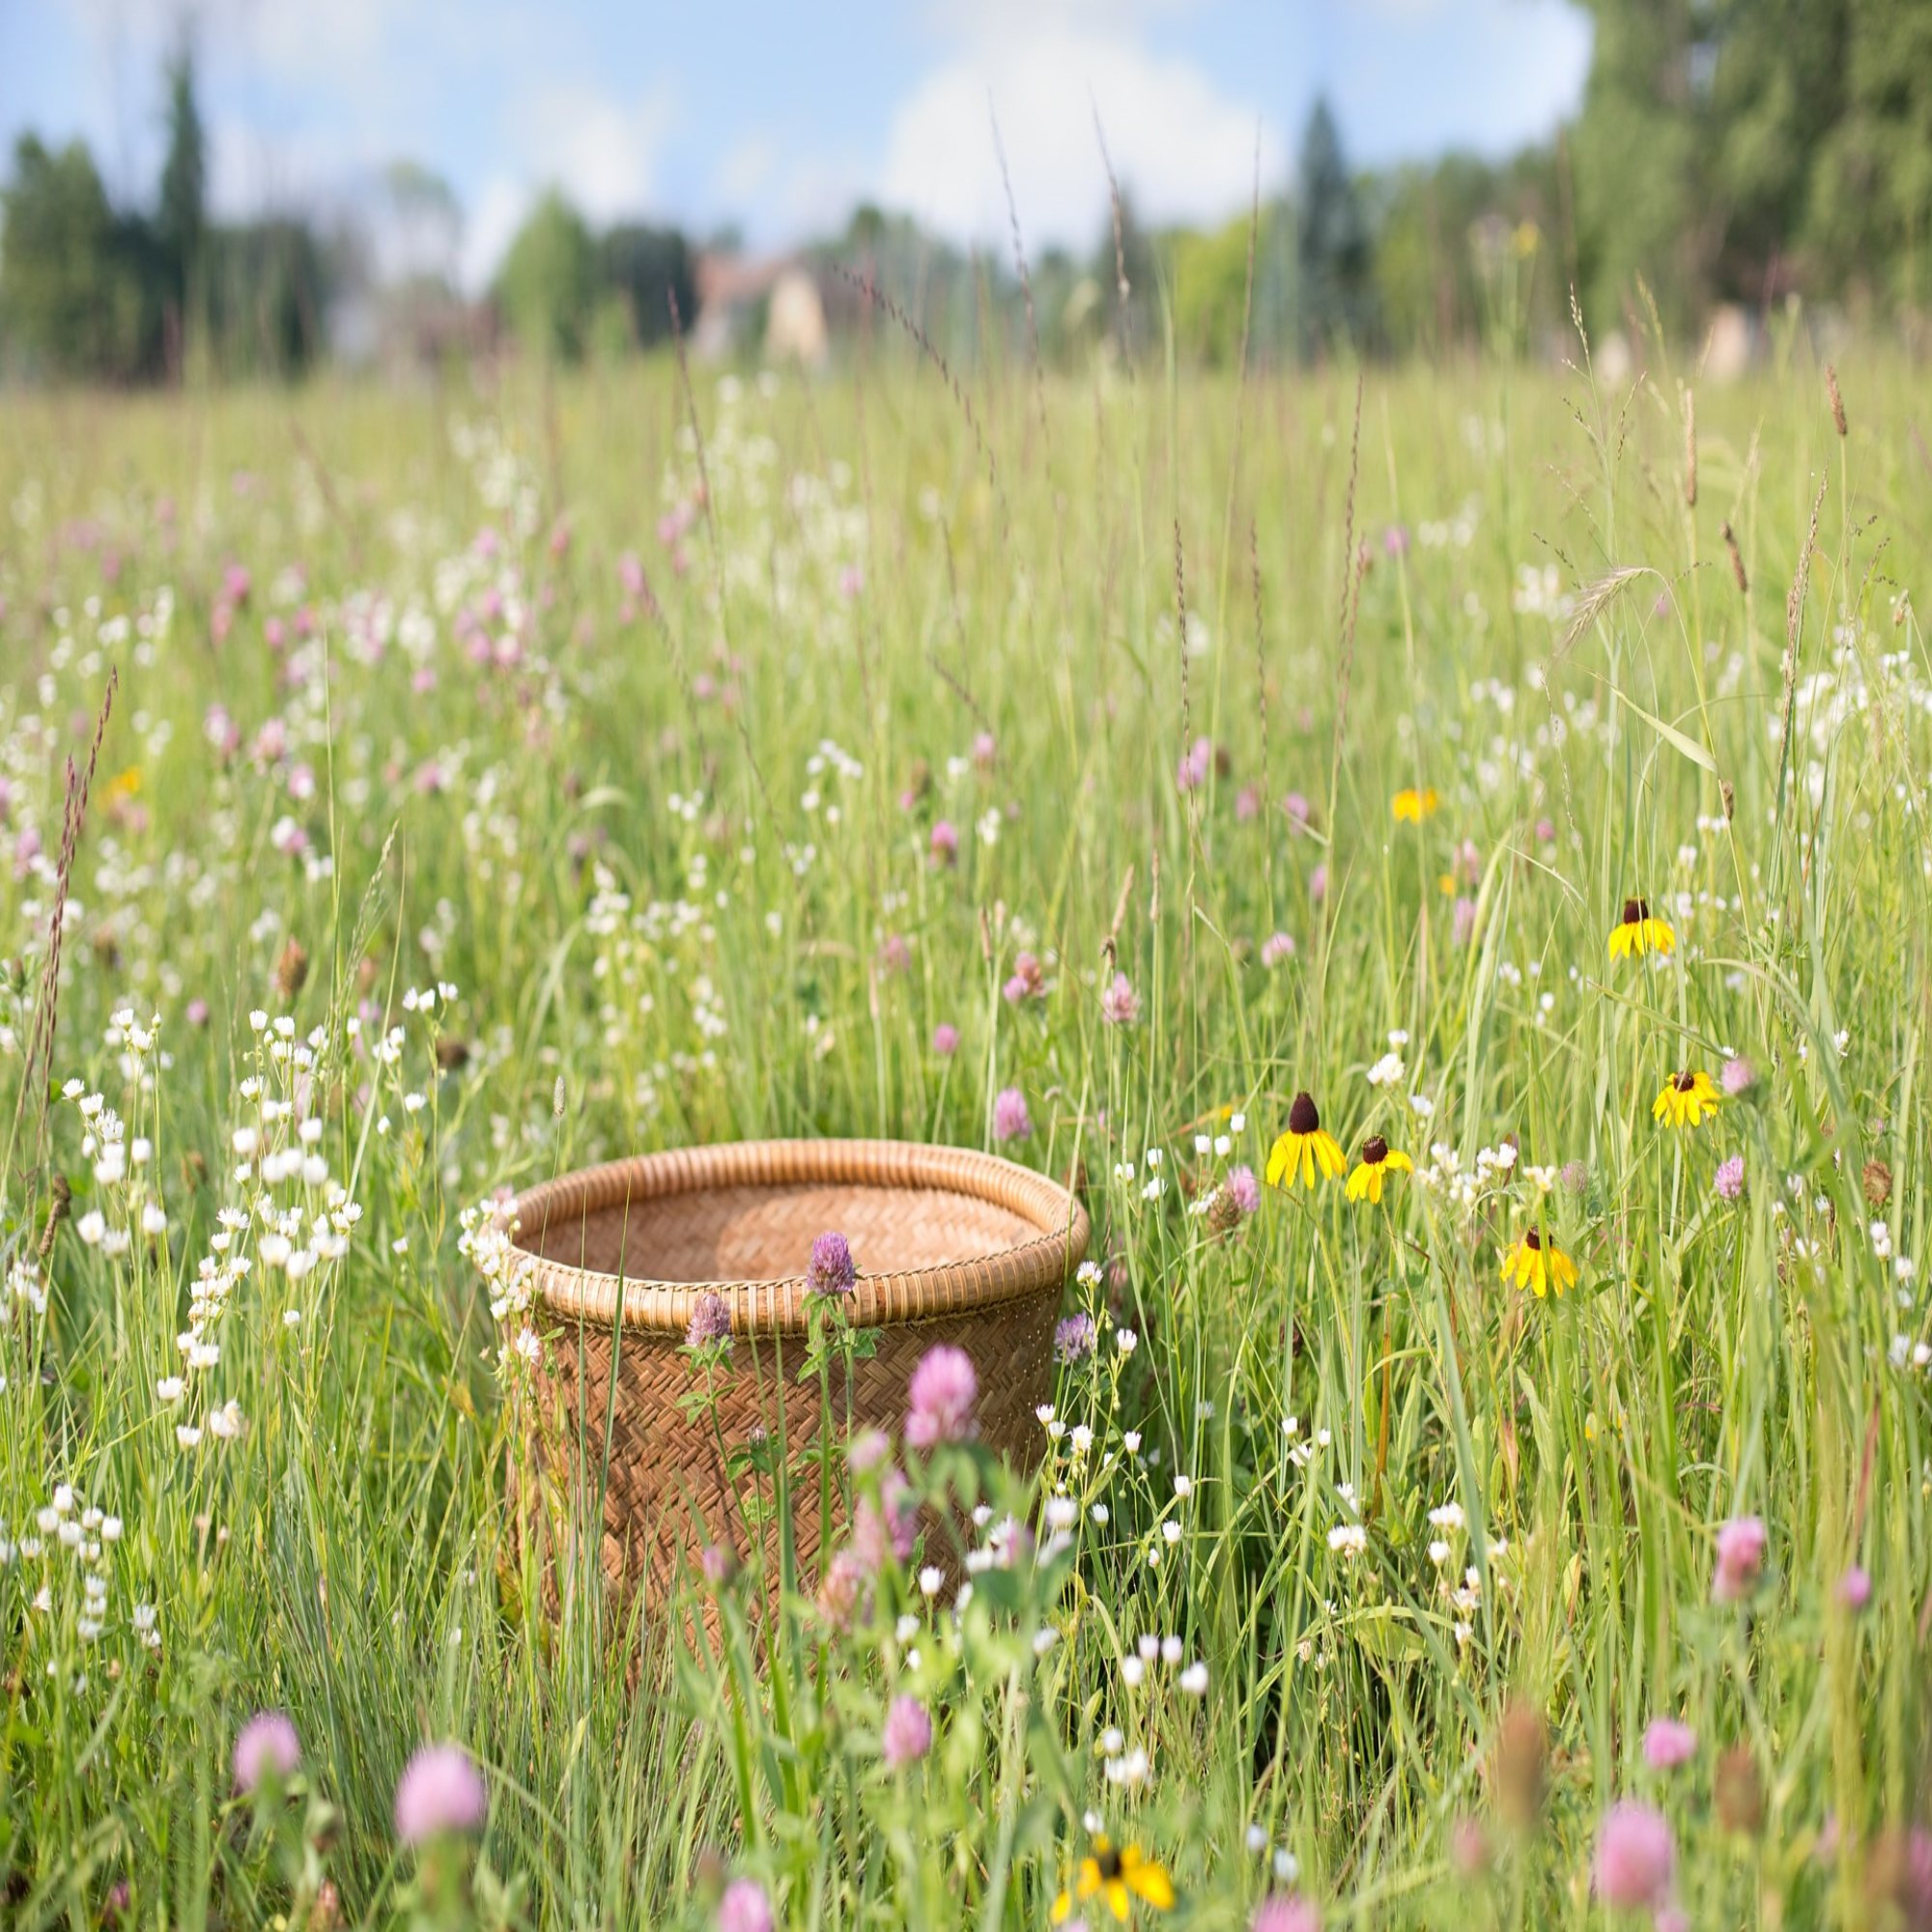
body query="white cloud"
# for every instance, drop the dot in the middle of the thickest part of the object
(499, 211)
(602, 151)
(1182, 148)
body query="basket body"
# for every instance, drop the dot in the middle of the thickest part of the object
(951, 1246)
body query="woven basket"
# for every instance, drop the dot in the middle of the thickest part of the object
(950, 1246)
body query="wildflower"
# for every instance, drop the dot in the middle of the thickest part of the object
(1011, 1120)
(941, 1395)
(832, 1270)
(1741, 1545)
(1305, 1147)
(710, 1321)
(1074, 1338)
(1282, 1914)
(1638, 932)
(1684, 1100)
(1120, 1003)
(1537, 1266)
(1667, 1744)
(441, 1791)
(1243, 1189)
(1855, 1588)
(1195, 763)
(1277, 946)
(1028, 981)
(1729, 1181)
(842, 1596)
(267, 1751)
(944, 843)
(1739, 1077)
(1117, 1876)
(944, 1039)
(1378, 1162)
(745, 1908)
(1413, 805)
(907, 1735)
(1634, 1856)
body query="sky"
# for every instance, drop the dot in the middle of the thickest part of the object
(778, 116)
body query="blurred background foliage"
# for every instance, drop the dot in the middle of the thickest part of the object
(1738, 156)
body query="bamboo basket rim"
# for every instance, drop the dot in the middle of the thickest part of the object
(781, 1306)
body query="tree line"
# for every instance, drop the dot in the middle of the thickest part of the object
(1724, 150)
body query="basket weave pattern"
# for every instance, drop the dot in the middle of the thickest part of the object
(951, 1246)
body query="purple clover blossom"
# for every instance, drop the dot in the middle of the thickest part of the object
(1741, 1546)
(1855, 1588)
(1196, 762)
(1243, 1189)
(1029, 981)
(710, 1321)
(1277, 946)
(944, 843)
(832, 1270)
(888, 1527)
(1738, 1078)
(907, 1734)
(1011, 1120)
(1634, 1856)
(945, 1040)
(1282, 1913)
(439, 1792)
(266, 1749)
(1120, 1003)
(1667, 1744)
(941, 1395)
(1074, 1339)
(1729, 1181)
(745, 1908)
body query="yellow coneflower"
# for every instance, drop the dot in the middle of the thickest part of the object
(1117, 1877)
(1304, 1148)
(1414, 804)
(1378, 1162)
(1686, 1100)
(1640, 932)
(1537, 1265)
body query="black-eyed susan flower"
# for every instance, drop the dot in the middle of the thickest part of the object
(1640, 931)
(1305, 1147)
(1686, 1099)
(1378, 1162)
(1533, 1263)
(1117, 1877)
(1414, 804)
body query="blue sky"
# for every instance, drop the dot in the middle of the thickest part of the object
(777, 115)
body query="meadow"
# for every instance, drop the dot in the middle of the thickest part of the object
(508, 775)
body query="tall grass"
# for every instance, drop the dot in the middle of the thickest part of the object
(662, 823)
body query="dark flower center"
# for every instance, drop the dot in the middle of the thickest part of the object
(1636, 910)
(1108, 1860)
(1686, 1081)
(1532, 1240)
(1302, 1116)
(1374, 1151)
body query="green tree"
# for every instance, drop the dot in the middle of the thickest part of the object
(181, 220)
(643, 268)
(1869, 220)
(1334, 254)
(76, 282)
(548, 283)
